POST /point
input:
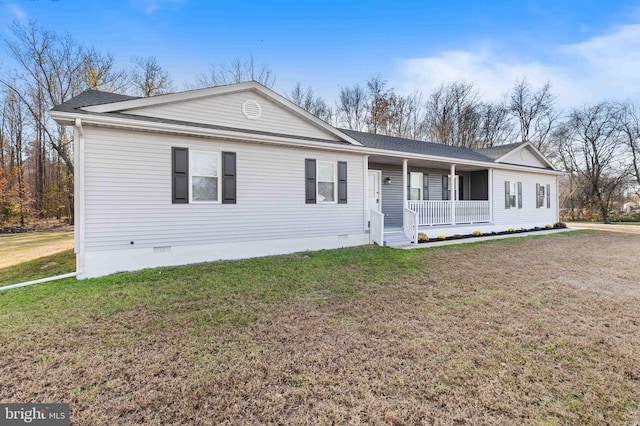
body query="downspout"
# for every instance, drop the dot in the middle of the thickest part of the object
(78, 205)
(79, 199)
(557, 198)
(41, 280)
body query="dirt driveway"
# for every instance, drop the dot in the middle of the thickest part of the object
(626, 229)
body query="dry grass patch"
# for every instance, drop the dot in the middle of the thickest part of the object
(538, 330)
(19, 248)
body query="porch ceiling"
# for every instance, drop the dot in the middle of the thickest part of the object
(427, 164)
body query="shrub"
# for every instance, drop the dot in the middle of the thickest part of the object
(511, 230)
(441, 237)
(548, 226)
(560, 225)
(476, 233)
(422, 237)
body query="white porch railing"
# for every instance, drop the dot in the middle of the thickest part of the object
(431, 212)
(435, 212)
(376, 228)
(410, 225)
(472, 211)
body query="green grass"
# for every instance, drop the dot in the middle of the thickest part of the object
(303, 276)
(47, 266)
(453, 333)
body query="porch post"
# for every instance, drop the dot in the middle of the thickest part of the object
(365, 177)
(490, 184)
(404, 183)
(453, 193)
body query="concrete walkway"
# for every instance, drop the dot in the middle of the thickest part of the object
(487, 238)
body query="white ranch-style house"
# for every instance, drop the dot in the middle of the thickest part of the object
(239, 171)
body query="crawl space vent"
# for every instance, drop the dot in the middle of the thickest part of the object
(251, 109)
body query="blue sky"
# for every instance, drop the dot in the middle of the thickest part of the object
(589, 50)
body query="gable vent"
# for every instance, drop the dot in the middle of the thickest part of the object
(251, 109)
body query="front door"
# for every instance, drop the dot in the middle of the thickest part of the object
(374, 201)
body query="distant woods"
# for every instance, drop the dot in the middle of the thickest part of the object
(598, 145)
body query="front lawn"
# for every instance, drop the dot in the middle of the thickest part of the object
(540, 330)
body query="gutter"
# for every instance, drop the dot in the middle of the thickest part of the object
(41, 280)
(149, 126)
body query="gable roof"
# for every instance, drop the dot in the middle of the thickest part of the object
(499, 153)
(135, 103)
(391, 143)
(496, 152)
(91, 98)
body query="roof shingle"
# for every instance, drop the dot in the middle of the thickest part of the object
(391, 143)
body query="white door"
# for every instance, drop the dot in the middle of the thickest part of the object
(374, 201)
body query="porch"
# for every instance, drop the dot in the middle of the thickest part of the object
(406, 197)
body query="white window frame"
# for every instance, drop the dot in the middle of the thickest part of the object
(513, 195)
(420, 188)
(218, 154)
(541, 204)
(335, 182)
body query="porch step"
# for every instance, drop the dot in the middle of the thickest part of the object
(395, 239)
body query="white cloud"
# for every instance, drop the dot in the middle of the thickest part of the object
(599, 68)
(150, 6)
(18, 13)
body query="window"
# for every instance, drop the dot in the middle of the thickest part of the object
(204, 176)
(543, 194)
(416, 186)
(512, 195)
(458, 193)
(326, 181)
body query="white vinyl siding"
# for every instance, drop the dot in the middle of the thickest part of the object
(226, 110)
(128, 194)
(528, 215)
(524, 157)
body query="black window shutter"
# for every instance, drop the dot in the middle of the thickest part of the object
(228, 178)
(342, 182)
(179, 175)
(310, 180)
(507, 195)
(425, 187)
(460, 187)
(548, 196)
(445, 187)
(519, 195)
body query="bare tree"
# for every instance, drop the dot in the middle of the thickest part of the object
(496, 127)
(452, 114)
(595, 151)
(99, 73)
(352, 108)
(237, 70)
(148, 78)
(535, 113)
(630, 128)
(306, 99)
(380, 99)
